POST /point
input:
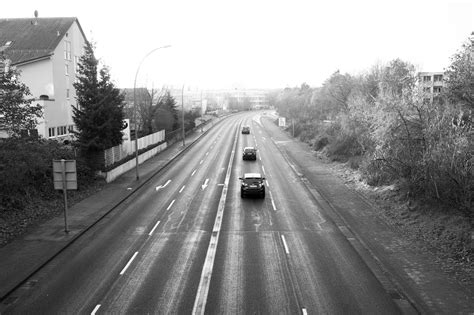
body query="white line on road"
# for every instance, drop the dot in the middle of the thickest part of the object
(263, 169)
(284, 244)
(182, 188)
(207, 153)
(205, 184)
(304, 311)
(267, 183)
(153, 229)
(163, 186)
(205, 281)
(193, 172)
(259, 158)
(95, 309)
(128, 264)
(171, 204)
(201, 161)
(273, 202)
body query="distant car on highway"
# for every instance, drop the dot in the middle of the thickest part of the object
(252, 184)
(245, 130)
(249, 153)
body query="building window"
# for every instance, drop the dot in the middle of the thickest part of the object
(51, 132)
(70, 128)
(438, 77)
(427, 78)
(61, 130)
(67, 50)
(437, 89)
(427, 90)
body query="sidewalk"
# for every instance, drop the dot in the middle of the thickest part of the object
(415, 275)
(25, 255)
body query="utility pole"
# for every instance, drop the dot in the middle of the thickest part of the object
(182, 111)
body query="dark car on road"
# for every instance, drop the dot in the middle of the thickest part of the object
(252, 184)
(246, 130)
(249, 153)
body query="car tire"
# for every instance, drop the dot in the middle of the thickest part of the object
(262, 195)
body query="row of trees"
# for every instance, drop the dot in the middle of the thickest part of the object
(382, 122)
(25, 163)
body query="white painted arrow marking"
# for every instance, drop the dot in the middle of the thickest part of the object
(163, 186)
(205, 184)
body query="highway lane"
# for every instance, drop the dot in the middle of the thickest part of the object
(91, 272)
(280, 254)
(283, 254)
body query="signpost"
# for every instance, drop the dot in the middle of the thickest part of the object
(65, 177)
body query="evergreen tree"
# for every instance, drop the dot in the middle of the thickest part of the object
(16, 110)
(168, 103)
(99, 112)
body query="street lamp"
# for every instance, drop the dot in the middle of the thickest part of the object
(135, 105)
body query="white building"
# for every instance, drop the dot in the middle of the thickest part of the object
(46, 51)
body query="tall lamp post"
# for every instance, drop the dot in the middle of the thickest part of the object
(135, 105)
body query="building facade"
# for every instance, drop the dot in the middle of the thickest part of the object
(46, 51)
(431, 85)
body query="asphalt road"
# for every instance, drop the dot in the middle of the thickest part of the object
(189, 243)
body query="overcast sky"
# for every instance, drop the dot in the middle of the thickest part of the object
(260, 44)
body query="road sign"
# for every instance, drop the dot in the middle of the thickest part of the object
(281, 122)
(64, 178)
(64, 173)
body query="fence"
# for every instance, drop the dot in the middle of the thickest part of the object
(125, 149)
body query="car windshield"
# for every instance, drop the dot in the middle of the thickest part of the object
(247, 150)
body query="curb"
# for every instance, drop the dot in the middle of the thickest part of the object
(417, 308)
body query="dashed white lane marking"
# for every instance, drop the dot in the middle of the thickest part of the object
(95, 309)
(182, 188)
(267, 183)
(171, 204)
(263, 169)
(259, 158)
(128, 264)
(129, 188)
(207, 153)
(284, 244)
(304, 311)
(193, 172)
(273, 202)
(153, 229)
(201, 161)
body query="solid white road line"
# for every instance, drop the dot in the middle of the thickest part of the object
(182, 188)
(128, 264)
(95, 309)
(153, 229)
(284, 244)
(205, 281)
(193, 172)
(171, 204)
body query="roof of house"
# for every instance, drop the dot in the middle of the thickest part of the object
(33, 38)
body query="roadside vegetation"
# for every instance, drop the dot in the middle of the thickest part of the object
(27, 195)
(383, 126)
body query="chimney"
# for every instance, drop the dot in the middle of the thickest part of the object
(35, 22)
